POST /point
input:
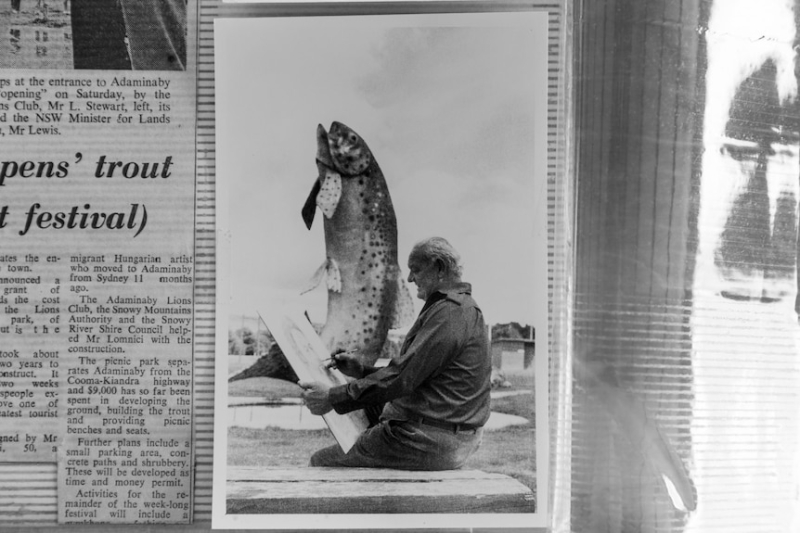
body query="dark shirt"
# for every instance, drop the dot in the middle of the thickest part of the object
(443, 371)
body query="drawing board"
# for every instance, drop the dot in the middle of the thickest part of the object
(307, 354)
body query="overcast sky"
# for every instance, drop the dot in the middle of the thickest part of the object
(452, 107)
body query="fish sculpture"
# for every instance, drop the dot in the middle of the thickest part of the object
(367, 294)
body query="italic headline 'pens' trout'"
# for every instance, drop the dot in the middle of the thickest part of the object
(366, 292)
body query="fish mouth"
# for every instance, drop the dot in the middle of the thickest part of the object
(323, 160)
(323, 150)
(337, 127)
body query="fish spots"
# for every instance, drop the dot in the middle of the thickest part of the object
(362, 237)
(330, 193)
(349, 152)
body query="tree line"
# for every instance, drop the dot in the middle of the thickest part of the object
(243, 341)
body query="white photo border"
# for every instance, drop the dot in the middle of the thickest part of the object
(544, 117)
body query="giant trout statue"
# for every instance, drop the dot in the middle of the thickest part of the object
(367, 295)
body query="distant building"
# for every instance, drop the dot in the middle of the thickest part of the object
(513, 354)
(34, 45)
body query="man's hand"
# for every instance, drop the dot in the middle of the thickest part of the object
(347, 363)
(316, 397)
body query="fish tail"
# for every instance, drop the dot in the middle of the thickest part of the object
(272, 365)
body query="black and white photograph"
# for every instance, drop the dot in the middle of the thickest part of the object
(382, 316)
(93, 34)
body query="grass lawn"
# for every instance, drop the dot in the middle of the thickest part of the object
(510, 451)
(274, 447)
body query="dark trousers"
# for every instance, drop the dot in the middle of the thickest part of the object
(405, 446)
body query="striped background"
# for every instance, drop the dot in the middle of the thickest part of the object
(719, 377)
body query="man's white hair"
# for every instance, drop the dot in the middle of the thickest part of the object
(438, 250)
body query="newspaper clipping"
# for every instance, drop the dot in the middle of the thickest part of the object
(97, 267)
(113, 281)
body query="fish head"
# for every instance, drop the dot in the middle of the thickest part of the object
(348, 151)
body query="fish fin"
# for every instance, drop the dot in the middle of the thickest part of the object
(330, 192)
(272, 365)
(310, 207)
(403, 312)
(316, 279)
(329, 269)
(333, 276)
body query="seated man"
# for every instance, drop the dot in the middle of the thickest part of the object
(436, 392)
